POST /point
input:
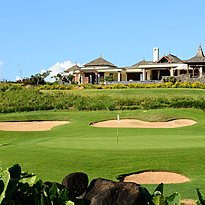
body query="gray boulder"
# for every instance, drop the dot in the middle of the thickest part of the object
(102, 191)
(76, 183)
(107, 192)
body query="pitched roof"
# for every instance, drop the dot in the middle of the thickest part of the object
(170, 59)
(142, 62)
(198, 58)
(73, 68)
(99, 62)
(164, 59)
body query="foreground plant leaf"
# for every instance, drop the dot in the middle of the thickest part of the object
(4, 181)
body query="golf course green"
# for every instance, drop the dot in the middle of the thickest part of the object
(77, 146)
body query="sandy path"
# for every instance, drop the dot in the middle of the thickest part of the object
(30, 126)
(132, 123)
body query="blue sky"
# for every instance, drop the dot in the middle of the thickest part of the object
(53, 34)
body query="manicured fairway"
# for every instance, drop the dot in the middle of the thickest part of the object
(79, 147)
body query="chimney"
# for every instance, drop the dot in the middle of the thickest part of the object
(155, 54)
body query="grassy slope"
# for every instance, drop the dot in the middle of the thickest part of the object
(79, 147)
(143, 92)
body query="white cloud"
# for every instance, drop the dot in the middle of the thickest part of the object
(18, 78)
(57, 68)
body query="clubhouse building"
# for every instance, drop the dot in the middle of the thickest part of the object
(100, 70)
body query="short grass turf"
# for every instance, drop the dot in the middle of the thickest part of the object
(141, 92)
(79, 147)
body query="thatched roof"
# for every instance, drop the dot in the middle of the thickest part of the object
(142, 62)
(164, 59)
(99, 62)
(198, 58)
(73, 68)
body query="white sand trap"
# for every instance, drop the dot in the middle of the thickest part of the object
(30, 126)
(156, 177)
(188, 202)
(132, 123)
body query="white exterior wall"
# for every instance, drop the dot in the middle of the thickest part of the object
(118, 76)
(149, 75)
(200, 72)
(144, 75)
(172, 72)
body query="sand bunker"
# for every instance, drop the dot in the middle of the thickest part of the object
(188, 202)
(132, 123)
(156, 177)
(30, 126)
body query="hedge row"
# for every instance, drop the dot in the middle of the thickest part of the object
(124, 86)
(30, 99)
(7, 86)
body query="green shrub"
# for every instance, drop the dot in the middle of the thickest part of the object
(10, 86)
(31, 99)
(109, 78)
(170, 79)
(168, 83)
(56, 87)
(158, 198)
(201, 200)
(17, 187)
(21, 188)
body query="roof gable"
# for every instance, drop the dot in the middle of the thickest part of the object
(169, 59)
(198, 58)
(164, 59)
(99, 62)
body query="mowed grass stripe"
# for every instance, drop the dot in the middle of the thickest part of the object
(79, 147)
